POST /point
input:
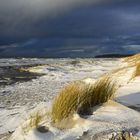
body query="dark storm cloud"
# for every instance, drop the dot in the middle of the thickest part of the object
(16, 15)
(25, 19)
(67, 28)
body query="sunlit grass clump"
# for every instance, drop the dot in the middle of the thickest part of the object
(70, 98)
(132, 60)
(79, 97)
(136, 71)
(35, 119)
(32, 122)
(104, 89)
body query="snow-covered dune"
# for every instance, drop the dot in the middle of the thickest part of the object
(109, 118)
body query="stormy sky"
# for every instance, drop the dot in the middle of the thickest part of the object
(69, 28)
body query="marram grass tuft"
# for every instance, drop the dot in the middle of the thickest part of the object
(133, 60)
(32, 122)
(35, 119)
(79, 97)
(136, 71)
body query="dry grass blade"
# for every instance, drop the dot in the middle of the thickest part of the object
(32, 122)
(80, 97)
(136, 71)
(35, 119)
(104, 89)
(133, 60)
(66, 103)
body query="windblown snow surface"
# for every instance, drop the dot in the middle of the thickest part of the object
(19, 100)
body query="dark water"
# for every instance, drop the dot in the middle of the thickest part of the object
(12, 74)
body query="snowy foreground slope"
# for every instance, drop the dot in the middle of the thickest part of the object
(21, 102)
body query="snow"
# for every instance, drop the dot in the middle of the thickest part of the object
(111, 116)
(129, 94)
(20, 99)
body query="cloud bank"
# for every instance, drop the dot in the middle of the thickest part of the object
(68, 27)
(21, 17)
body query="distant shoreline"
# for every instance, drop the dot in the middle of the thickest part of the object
(113, 55)
(96, 56)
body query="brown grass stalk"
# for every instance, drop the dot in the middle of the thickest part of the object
(136, 71)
